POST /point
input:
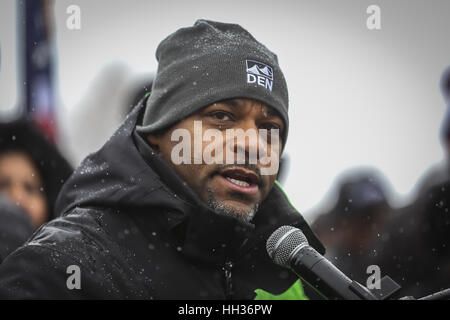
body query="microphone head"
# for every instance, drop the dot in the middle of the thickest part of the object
(283, 242)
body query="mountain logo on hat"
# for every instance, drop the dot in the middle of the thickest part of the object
(260, 74)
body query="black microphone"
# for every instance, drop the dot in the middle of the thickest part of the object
(288, 247)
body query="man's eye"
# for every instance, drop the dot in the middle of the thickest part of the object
(269, 126)
(220, 115)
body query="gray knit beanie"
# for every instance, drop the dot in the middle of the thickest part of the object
(207, 63)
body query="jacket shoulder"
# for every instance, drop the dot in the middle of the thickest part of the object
(75, 233)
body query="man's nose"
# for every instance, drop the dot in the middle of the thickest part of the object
(247, 146)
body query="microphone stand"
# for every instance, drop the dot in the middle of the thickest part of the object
(390, 287)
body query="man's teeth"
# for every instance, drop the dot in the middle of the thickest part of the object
(239, 182)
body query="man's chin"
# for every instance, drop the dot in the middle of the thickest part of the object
(236, 209)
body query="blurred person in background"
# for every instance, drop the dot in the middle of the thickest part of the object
(418, 253)
(32, 170)
(110, 97)
(353, 229)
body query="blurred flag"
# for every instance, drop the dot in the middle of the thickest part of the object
(36, 32)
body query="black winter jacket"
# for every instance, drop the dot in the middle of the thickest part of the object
(136, 231)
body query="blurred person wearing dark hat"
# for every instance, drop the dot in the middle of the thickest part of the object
(138, 225)
(417, 252)
(353, 229)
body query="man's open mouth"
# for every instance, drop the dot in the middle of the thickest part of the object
(241, 179)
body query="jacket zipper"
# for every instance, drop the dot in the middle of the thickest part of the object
(228, 282)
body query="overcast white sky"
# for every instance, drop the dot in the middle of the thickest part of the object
(357, 97)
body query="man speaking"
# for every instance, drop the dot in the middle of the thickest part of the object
(179, 202)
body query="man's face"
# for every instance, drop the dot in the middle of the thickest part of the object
(234, 188)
